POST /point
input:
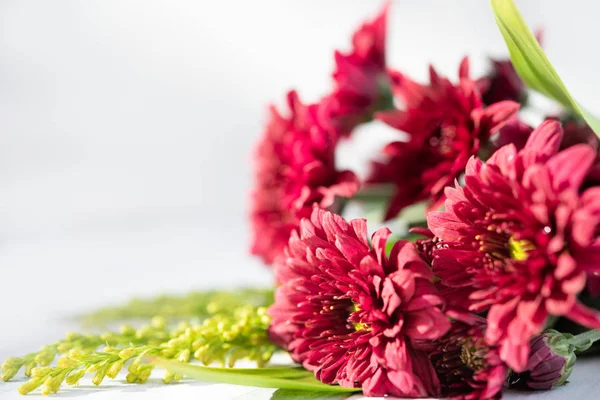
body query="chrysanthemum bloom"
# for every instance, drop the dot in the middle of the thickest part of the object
(519, 239)
(468, 368)
(446, 125)
(351, 314)
(577, 132)
(551, 361)
(362, 85)
(503, 84)
(295, 168)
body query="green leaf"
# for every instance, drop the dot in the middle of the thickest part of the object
(257, 377)
(291, 394)
(531, 62)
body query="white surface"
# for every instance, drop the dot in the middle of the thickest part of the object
(125, 129)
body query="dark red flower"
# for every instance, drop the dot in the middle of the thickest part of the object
(503, 83)
(593, 285)
(362, 85)
(351, 314)
(295, 168)
(468, 368)
(517, 132)
(446, 125)
(520, 238)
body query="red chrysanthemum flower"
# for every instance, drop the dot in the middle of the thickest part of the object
(362, 85)
(295, 168)
(468, 368)
(519, 239)
(351, 314)
(446, 125)
(577, 132)
(503, 84)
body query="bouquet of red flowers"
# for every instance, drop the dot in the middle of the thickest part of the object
(492, 286)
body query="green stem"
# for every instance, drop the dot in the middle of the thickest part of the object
(585, 340)
(257, 378)
(374, 192)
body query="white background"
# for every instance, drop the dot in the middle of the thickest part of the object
(126, 129)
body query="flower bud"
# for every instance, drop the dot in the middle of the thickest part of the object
(99, 376)
(73, 336)
(126, 354)
(131, 377)
(44, 358)
(550, 363)
(77, 354)
(66, 362)
(8, 373)
(127, 330)
(144, 373)
(159, 322)
(30, 386)
(12, 362)
(114, 369)
(168, 377)
(184, 356)
(74, 377)
(40, 372)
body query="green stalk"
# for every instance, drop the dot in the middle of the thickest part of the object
(585, 340)
(243, 377)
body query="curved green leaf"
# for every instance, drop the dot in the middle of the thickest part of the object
(257, 377)
(531, 62)
(291, 394)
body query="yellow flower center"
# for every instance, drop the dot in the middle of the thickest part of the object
(358, 326)
(518, 249)
(472, 355)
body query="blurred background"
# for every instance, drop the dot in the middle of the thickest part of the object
(126, 130)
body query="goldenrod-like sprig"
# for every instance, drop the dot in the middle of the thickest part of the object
(225, 338)
(126, 337)
(196, 304)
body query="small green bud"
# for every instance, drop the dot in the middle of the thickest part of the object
(159, 322)
(29, 367)
(212, 307)
(99, 376)
(131, 377)
(127, 330)
(66, 362)
(40, 372)
(8, 374)
(135, 365)
(143, 332)
(12, 362)
(114, 369)
(64, 347)
(51, 385)
(77, 354)
(30, 385)
(168, 377)
(168, 353)
(44, 358)
(71, 336)
(144, 373)
(126, 354)
(184, 356)
(74, 377)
